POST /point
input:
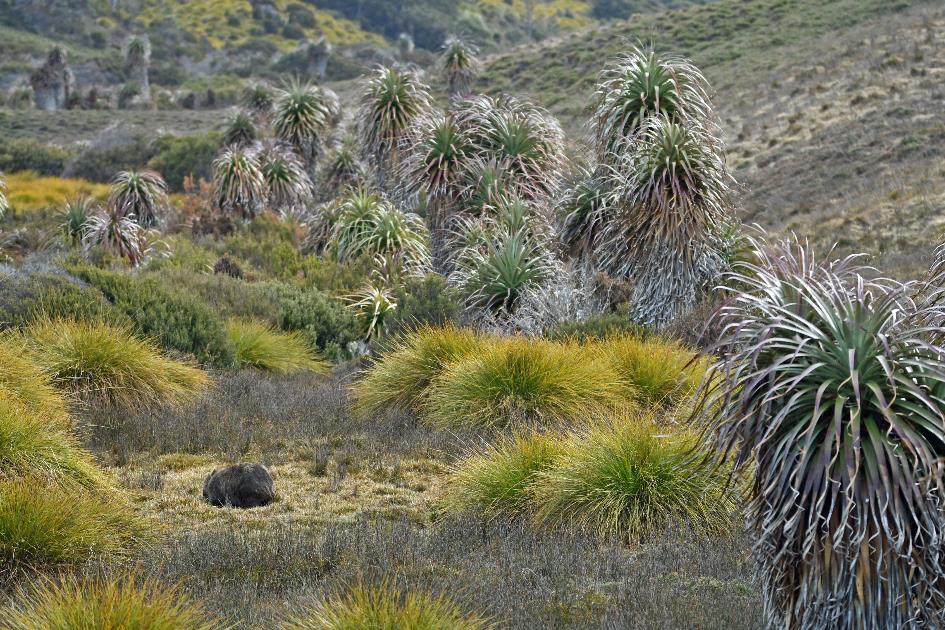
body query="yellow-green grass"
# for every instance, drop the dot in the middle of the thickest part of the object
(519, 379)
(660, 371)
(228, 23)
(401, 378)
(44, 525)
(626, 478)
(385, 608)
(125, 603)
(22, 381)
(498, 479)
(28, 191)
(98, 359)
(258, 345)
(32, 445)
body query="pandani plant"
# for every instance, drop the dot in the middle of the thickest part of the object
(829, 397)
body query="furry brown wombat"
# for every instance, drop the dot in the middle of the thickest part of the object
(239, 485)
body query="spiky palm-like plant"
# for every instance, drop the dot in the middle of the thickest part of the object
(432, 168)
(669, 198)
(583, 212)
(830, 396)
(258, 101)
(642, 84)
(341, 169)
(239, 181)
(493, 275)
(139, 194)
(373, 304)
(241, 131)
(118, 234)
(77, 213)
(459, 65)
(371, 226)
(304, 114)
(435, 158)
(288, 186)
(484, 183)
(4, 204)
(391, 99)
(524, 140)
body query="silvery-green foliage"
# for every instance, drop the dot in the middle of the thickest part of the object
(829, 397)
(568, 296)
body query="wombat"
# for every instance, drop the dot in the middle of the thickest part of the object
(239, 485)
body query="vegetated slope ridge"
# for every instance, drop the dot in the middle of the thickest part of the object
(831, 111)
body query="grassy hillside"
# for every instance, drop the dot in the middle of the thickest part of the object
(831, 111)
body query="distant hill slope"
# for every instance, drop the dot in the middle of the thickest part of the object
(832, 111)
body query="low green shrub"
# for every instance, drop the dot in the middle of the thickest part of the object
(626, 478)
(108, 362)
(175, 320)
(227, 296)
(269, 246)
(423, 301)
(48, 525)
(400, 378)
(521, 379)
(30, 155)
(258, 345)
(597, 327)
(24, 297)
(126, 603)
(384, 607)
(179, 157)
(99, 164)
(325, 322)
(499, 479)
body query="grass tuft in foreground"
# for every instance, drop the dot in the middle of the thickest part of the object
(120, 603)
(259, 345)
(498, 480)
(388, 608)
(94, 358)
(49, 525)
(625, 478)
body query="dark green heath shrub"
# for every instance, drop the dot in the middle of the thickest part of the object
(185, 156)
(176, 320)
(24, 297)
(268, 245)
(324, 320)
(421, 301)
(30, 155)
(598, 327)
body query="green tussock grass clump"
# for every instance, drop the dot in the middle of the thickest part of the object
(101, 360)
(258, 345)
(125, 603)
(626, 478)
(33, 446)
(498, 479)
(387, 608)
(402, 376)
(22, 381)
(49, 525)
(519, 379)
(661, 371)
